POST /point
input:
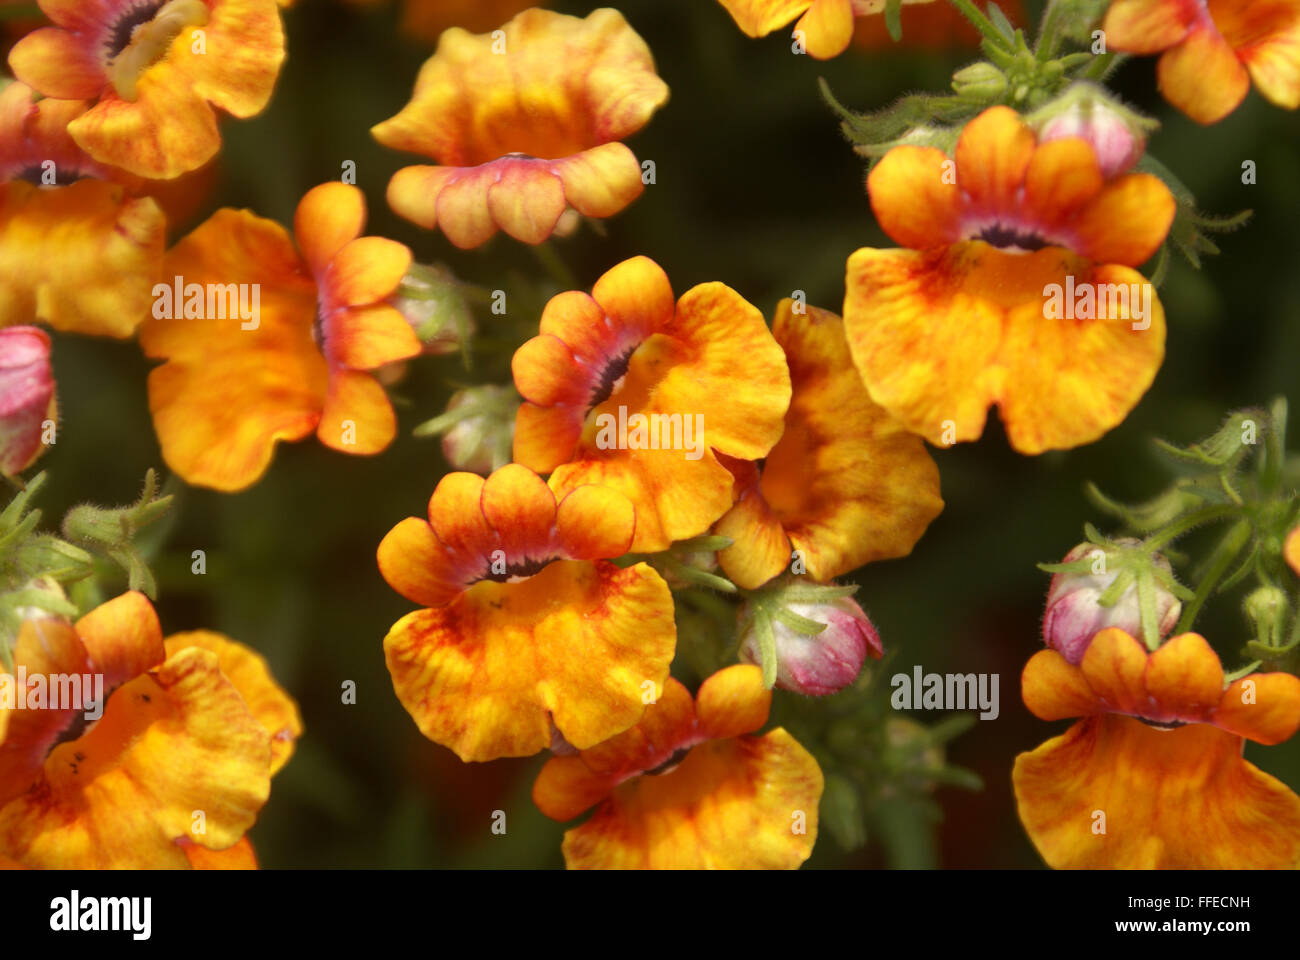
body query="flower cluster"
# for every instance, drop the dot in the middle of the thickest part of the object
(640, 559)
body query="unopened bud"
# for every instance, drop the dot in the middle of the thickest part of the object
(26, 397)
(816, 664)
(1074, 612)
(1114, 133)
(431, 300)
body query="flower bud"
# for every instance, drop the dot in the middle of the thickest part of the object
(1074, 615)
(26, 396)
(480, 438)
(431, 301)
(819, 664)
(1115, 135)
(981, 80)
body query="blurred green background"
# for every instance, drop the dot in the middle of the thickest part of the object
(755, 187)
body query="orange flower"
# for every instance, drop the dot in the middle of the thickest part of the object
(826, 25)
(75, 250)
(1212, 49)
(1291, 550)
(524, 122)
(626, 390)
(933, 26)
(155, 71)
(292, 355)
(182, 755)
(526, 623)
(846, 484)
(1153, 776)
(724, 801)
(1018, 290)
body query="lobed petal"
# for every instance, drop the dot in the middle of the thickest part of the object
(1172, 799)
(485, 675)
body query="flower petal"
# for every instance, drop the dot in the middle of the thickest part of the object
(1115, 667)
(524, 637)
(595, 523)
(328, 218)
(123, 638)
(917, 206)
(731, 804)
(827, 28)
(1202, 76)
(366, 271)
(364, 338)
(993, 155)
(1264, 707)
(1148, 26)
(358, 417)
(1054, 689)
(1171, 799)
(733, 702)
(59, 64)
(248, 670)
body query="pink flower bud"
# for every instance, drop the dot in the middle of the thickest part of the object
(1117, 141)
(823, 663)
(1074, 616)
(26, 396)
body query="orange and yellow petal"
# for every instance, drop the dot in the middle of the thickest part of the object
(1202, 76)
(226, 395)
(239, 857)
(578, 643)
(732, 702)
(59, 64)
(1266, 38)
(245, 48)
(83, 258)
(1113, 792)
(366, 271)
(758, 18)
(993, 155)
(560, 85)
(760, 547)
(1055, 689)
(328, 218)
(357, 417)
(248, 670)
(939, 336)
(827, 28)
(594, 523)
(1291, 550)
(122, 638)
(916, 205)
(717, 344)
(176, 754)
(524, 124)
(364, 338)
(749, 803)
(167, 131)
(844, 496)
(1149, 26)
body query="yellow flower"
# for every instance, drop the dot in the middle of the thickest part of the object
(156, 70)
(845, 485)
(623, 389)
(76, 250)
(526, 623)
(1018, 288)
(318, 321)
(1153, 776)
(182, 755)
(524, 123)
(1211, 50)
(689, 788)
(825, 25)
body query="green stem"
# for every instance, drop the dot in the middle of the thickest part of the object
(981, 23)
(556, 268)
(1226, 552)
(1189, 522)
